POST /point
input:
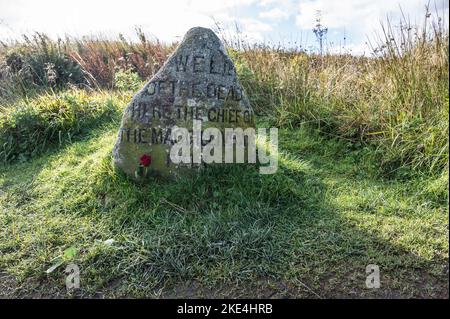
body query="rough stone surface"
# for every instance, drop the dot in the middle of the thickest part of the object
(198, 81)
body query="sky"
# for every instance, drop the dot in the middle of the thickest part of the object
(289, 22)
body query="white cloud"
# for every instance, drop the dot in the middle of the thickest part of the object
(363, 16)
(166, 19)
(169, 19)
(255, 25)
(362, 19)
(265, 3)
(274, 14)
(254, 29)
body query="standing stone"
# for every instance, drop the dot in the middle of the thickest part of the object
(197, 82)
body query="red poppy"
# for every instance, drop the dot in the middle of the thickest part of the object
(145, 160)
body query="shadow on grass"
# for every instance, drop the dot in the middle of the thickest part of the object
(229, 231)
(232, 226)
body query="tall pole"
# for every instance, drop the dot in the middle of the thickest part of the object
(320, 32)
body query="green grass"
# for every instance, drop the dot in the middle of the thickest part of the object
(309, 230)
(31, 126)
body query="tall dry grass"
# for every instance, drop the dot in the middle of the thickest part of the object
(397, 99)
(37, 62)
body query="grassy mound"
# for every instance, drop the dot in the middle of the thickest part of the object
(30, 127)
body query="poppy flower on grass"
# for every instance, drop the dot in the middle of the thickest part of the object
(145, 160)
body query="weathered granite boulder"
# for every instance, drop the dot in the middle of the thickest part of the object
(197, 82)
